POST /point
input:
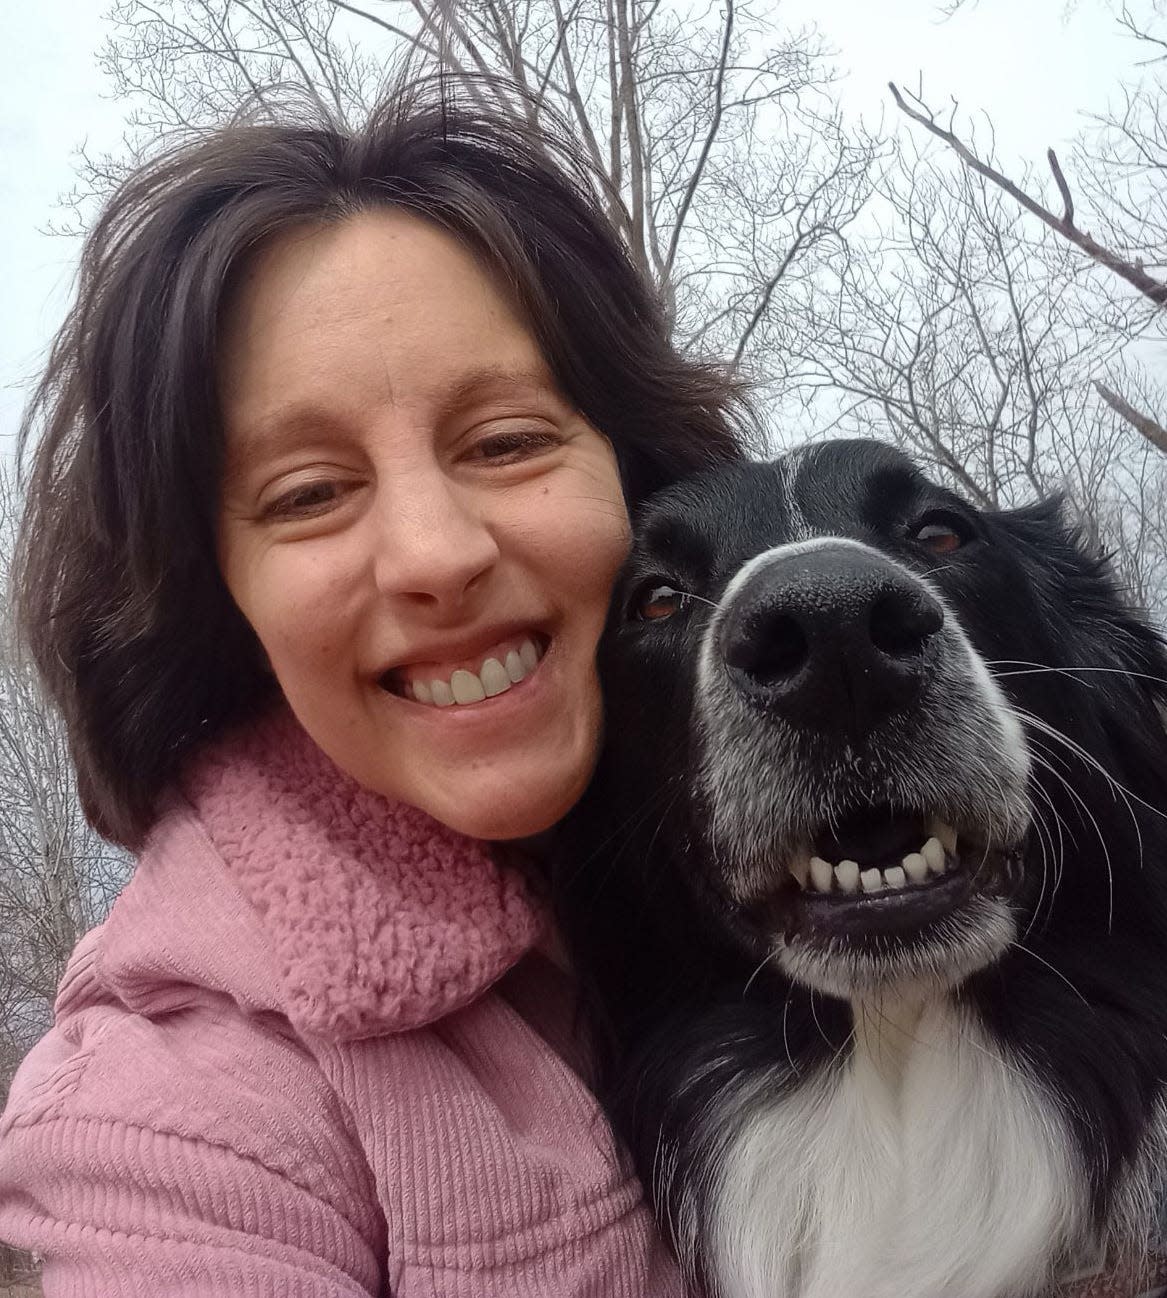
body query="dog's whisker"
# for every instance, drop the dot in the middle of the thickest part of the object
(1116, 788)
(1087, 758)
(623, 836)
(1018, 946)
(1102, 842)
(1040, 832)
(814, 1015)
(1035, 669)
(785, 1037)
(1049, 855)
(761, 965)
(1063, 829)
(700, 599)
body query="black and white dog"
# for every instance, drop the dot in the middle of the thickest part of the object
(870, 888)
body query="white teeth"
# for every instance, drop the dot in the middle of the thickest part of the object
(933, 854)
(821, 873)
(916, 867)
(847, 876)
(467, 688)
(847, 873)
(946, 834)
(494, 678)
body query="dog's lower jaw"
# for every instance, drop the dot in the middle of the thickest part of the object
(924, 1165)
(970, 939)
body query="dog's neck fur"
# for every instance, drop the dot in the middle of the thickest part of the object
(925, 1163)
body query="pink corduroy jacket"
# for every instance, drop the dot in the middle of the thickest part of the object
(314, 1051)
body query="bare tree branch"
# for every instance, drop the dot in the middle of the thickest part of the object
(710, 136)
(1154, 432)
(1155, 290)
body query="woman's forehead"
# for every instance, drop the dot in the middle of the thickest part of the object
(381, 309)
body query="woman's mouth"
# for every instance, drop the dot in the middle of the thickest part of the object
(498, 669)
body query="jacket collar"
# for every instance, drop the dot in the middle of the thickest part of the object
(378, 918)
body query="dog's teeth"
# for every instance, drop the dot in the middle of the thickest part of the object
(847, 874)
(946, 835)
(800, 869)
(872, 880)
(933, 854)
(894, 877)
(916, 865)
(822, 873)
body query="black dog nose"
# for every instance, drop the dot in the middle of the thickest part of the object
(833, 638)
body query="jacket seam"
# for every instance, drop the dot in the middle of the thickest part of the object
(115, 1124)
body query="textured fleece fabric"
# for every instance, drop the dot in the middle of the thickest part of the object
(314, 1051)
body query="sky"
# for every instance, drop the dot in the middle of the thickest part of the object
(1034, 66)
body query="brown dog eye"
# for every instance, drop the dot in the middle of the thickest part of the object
(940, 533)
(940, 540)
(659, 602)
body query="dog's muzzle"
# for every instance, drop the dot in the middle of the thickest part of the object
(864, 776)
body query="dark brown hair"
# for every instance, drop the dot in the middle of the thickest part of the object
(118, 592)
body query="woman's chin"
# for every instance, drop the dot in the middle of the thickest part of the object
(523, 806)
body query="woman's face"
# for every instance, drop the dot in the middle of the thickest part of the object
(419, 527)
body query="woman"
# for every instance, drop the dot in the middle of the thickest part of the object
(341, 438)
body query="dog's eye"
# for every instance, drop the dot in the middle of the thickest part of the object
(655, 603)
(940, 532)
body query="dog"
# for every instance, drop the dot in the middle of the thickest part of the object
(868, 894)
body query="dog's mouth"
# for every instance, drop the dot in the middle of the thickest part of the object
(882, 873)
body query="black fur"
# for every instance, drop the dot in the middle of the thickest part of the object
(686, 1013)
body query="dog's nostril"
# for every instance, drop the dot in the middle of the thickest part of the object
(771, 647)
(903, 621)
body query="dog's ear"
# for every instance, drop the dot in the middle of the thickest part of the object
(1104, 626)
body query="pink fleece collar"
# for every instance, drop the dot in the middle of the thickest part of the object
(380, 919)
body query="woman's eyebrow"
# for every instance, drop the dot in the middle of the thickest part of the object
(493, 381)
(274, 431)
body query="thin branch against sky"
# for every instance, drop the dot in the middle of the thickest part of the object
(52, 105)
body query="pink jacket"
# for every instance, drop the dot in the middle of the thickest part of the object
(314, 1051)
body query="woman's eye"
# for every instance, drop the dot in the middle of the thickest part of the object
(940, 533)
(511, 447)
(659, 602)
(305, 501)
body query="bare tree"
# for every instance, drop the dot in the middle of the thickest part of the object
(986, 349)
(1112, 207)
(732, 176)
(57, 879)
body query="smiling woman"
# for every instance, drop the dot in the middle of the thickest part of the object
(434, 508)
(339, 447)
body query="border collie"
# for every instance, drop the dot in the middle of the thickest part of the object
(870, 888)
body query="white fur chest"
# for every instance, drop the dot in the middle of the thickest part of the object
(925, 1166)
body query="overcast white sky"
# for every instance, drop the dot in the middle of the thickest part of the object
(1022, 61)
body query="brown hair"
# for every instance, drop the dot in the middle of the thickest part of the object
(118, 592)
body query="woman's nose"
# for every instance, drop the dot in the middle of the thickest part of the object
(433, 540)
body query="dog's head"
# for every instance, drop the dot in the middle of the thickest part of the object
(878, 728)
